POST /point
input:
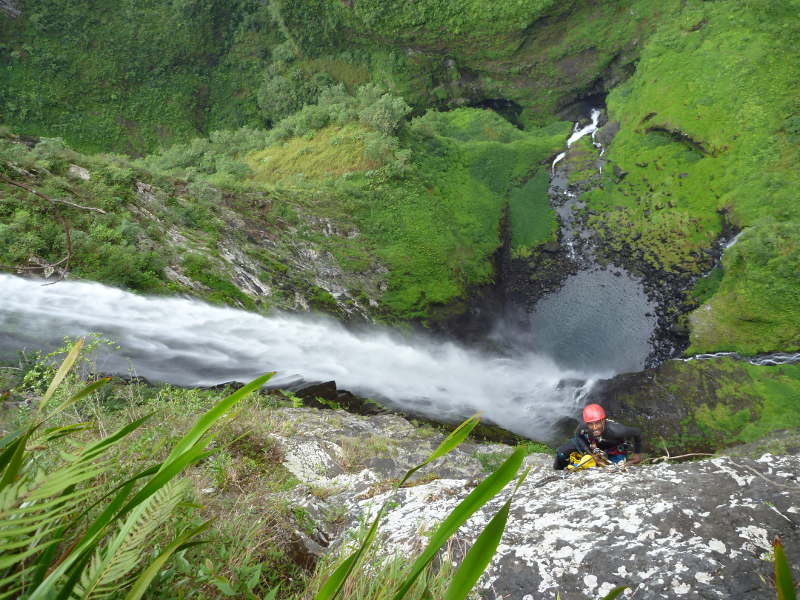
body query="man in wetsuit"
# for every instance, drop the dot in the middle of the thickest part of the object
(597, 432)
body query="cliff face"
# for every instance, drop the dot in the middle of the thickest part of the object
(694, 530)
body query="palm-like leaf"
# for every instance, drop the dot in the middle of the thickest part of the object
(39, 509)
(111, 567)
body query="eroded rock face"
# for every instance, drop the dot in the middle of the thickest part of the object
(701, 530)
(694, 530)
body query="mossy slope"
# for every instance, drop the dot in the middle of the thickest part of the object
(705, 404)
(706, 140)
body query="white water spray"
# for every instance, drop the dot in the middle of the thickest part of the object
(577, 133)
(187, 342)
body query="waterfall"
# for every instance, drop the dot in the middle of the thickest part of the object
(577, 133)
(187, 342)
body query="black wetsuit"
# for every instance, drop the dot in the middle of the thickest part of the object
(612, 441)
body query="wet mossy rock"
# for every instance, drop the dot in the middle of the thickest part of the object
(703, 405)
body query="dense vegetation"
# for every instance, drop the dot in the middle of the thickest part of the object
(707, 139)
(101, 481)
(702, 92)
(369, 159)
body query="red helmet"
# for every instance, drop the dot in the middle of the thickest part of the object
(593, 412)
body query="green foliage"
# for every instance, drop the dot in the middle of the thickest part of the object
(282, 94)
(533, 221)
(733, 402)
(757, 305)
(703, 135)
(101, 549)
(783, 573)
(105, 247)
(140, 76)
(200, 268)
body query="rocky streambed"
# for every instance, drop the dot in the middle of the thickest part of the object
(694, 530)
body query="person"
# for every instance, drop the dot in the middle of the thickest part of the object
(596, 432)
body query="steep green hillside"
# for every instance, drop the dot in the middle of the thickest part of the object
(703, 93)
(708, 136)
(342, 208)
(425, 200)
(134, 77)
(129, 76)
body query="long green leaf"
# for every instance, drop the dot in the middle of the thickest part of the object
(146, 577)
(6, 561)
(166, 474)
(334, 584)
(11, 437)
(188, 450)
(104, 444)
(458, 435)
(14, 463)
(272, 593)
(482, 551)
(210, 417)
(615, 592)
(80, 554)
(485, 491)
(53, 433)
(336, 580)
(783, 573)
(65, 367)
(479, 556)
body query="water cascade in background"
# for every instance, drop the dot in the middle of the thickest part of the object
(186, 342)
(600, 317)
(577, 133)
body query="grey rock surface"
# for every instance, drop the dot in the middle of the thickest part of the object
(700, 530)
(697, 530)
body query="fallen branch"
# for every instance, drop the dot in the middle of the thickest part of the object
(668, 457)
(35, 192)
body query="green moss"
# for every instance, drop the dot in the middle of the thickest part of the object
(533, 221)
(756, 307)
(706, 286)
(704, 135)
(736, 402)
(322, 300)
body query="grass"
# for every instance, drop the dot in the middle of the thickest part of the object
(533, 220)
(241, 487)
(756, 306)
(330, 152)
(777, 390)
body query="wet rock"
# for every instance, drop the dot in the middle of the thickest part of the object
(784, 441)
(669, 403)
(700, 530)
(619, 174)
(606, 134)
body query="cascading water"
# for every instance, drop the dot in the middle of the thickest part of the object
(601, 315)
(577, 133)
(186, 342)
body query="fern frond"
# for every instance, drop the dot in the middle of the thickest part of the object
(112, 566)
(35, 506)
